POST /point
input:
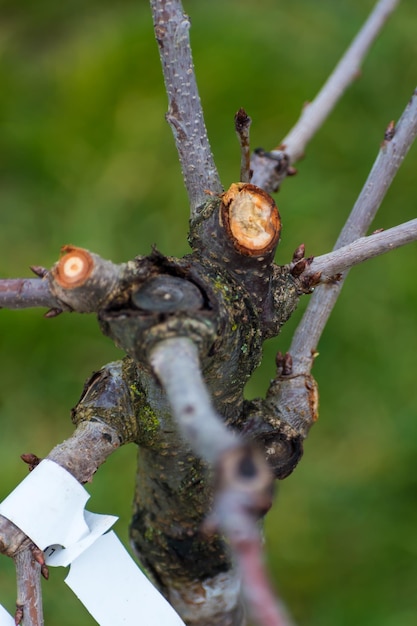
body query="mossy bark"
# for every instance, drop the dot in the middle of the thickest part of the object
(245, 299)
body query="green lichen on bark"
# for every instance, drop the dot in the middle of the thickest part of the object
(244, 300)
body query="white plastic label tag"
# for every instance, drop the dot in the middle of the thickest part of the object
(5, 618)
(48, 506)
(114, 590)
(57, 555)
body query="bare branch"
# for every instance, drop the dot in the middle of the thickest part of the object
(185, 114)
(80, 281)
(244, 538)
(390, 157)
(29, 593)
(269, 169)
(266, 609)
(316, 112)
(242, 125)
(22, 293)
(364, 248)
(89, 446)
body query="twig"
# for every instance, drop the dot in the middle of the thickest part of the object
(266, 608)
(29, 593)
(185, 114)
(22, 293)
(315, 113)
(387, 163)
(363, 248)
(266, 174)
(242, 125)
(245, 540)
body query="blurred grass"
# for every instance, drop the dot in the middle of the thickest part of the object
(87, 158)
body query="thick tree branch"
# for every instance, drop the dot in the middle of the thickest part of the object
(185, 114)
(83, 280)
(269, 169)
(88, 448)
(390, 157)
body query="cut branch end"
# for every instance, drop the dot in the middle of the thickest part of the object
(74, 268)
(251, 219)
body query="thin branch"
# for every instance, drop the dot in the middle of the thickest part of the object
(177, 365)
(22, 293)
(389, 159)
(185, 114)
(80, 281)
(269, 169)
(346, 71)
(243, 480)
(362, 249)
(242, 126)
(265, 607)
(29, 593)
(243, 535)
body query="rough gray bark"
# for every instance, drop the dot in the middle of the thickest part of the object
(29, 597)
(185, 114)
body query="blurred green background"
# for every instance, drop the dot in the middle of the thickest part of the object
(87, 158)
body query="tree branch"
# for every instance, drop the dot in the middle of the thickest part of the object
(29, 593)
(22, 293)
(80, 281)
(87, 448)
(292, 395)
(269, 169)
(389, 159)
(185, 114)
(242, 125)
(362, 249)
